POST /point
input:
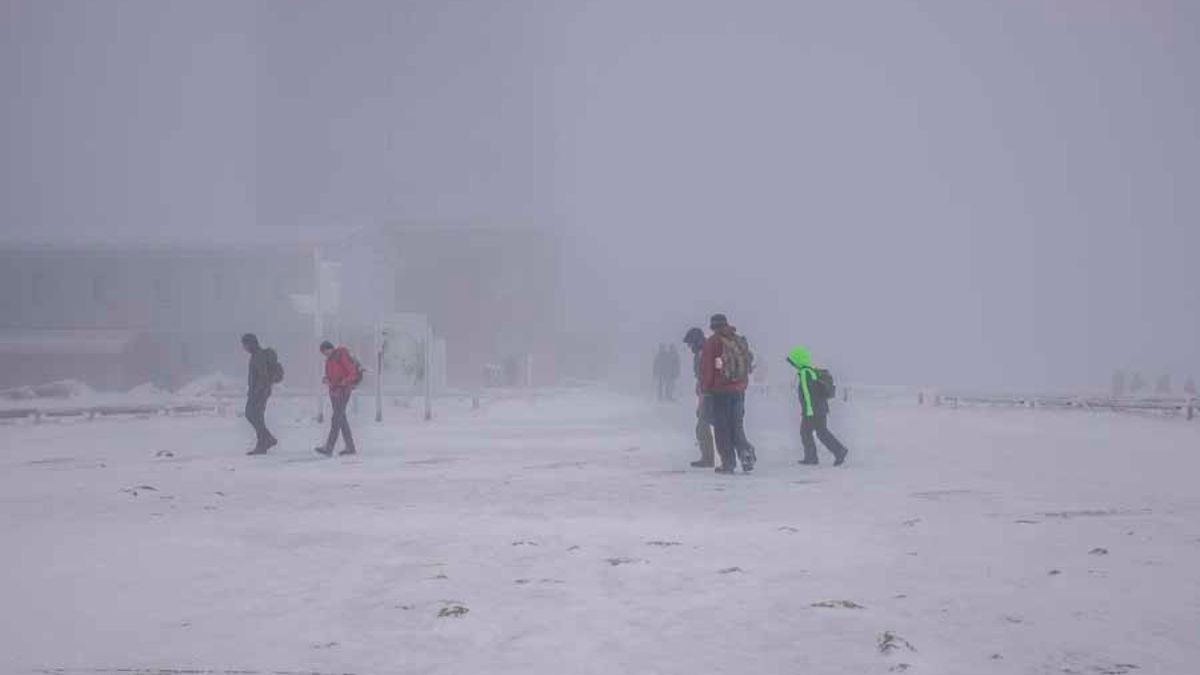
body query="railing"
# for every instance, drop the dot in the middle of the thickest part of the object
(99, 411)
(1186, 407)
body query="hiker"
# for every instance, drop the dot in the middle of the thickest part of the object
(660, 372)
(672, 370)
(342, 373)
(694, 339)
(265, 372)
(815, 389)
(724, 375)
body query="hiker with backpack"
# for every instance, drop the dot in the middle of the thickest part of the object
(265, 372)
(342, 374)
(725, 363)
(815, 389)
(694, 339)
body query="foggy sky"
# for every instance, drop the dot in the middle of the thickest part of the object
(962, 193)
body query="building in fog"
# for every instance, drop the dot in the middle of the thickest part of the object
(119, 316)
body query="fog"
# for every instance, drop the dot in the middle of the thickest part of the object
(952, 193)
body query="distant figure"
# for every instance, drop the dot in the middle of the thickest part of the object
(342, 374)
(1163, 388)
(660, 372)
(694, 339)
(1118, 384)
(673, 371)
(1136, 383)
(815, 389)
(265, 372)
(1189, 387)
(724, 376)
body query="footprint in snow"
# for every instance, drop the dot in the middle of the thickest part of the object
(890, 642)
(731, 570)
(453, 612)
(836, 604)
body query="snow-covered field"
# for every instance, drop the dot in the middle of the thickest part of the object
(566, 534)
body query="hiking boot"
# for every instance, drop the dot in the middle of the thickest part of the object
(809, 462)
(723, 469)
(272, 442)
(258, 451)
(703, 464)
(348, 451)
(322, 450)
(840, 459)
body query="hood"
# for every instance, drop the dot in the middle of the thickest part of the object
(799, 358)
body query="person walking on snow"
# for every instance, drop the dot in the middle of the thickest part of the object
(694, 339)
(264, 372)
(673, 371)
(815, 392)
(724, 376)
(342, 374)
(660, 372)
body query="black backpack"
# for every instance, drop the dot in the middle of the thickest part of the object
(274, 367)
(828, 386)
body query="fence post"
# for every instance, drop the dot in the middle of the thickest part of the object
(1191, 409)
(920, 398)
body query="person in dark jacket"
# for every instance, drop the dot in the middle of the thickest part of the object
(814, 408)
(726, 396)
(259, 390)
(661, 372)
(673, 371)
(341, 375)
(694, 339)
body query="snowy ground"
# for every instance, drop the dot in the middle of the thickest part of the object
(567, 534)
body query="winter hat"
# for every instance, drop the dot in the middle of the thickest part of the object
(250, 340)
(718, 321)
(694, 336)
(326, 345)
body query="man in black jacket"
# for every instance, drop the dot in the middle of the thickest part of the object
(694, 339)
(260, 381)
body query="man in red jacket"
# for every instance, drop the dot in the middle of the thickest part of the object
(724, 375)
(342, 375)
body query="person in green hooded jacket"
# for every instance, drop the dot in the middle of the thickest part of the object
(814, 408)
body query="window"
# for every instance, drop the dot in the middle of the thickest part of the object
(99, 288)
(39, 288)
(162, 290)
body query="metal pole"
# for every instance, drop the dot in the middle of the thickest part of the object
(428, 372)
(318, 329)
(379, 373)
